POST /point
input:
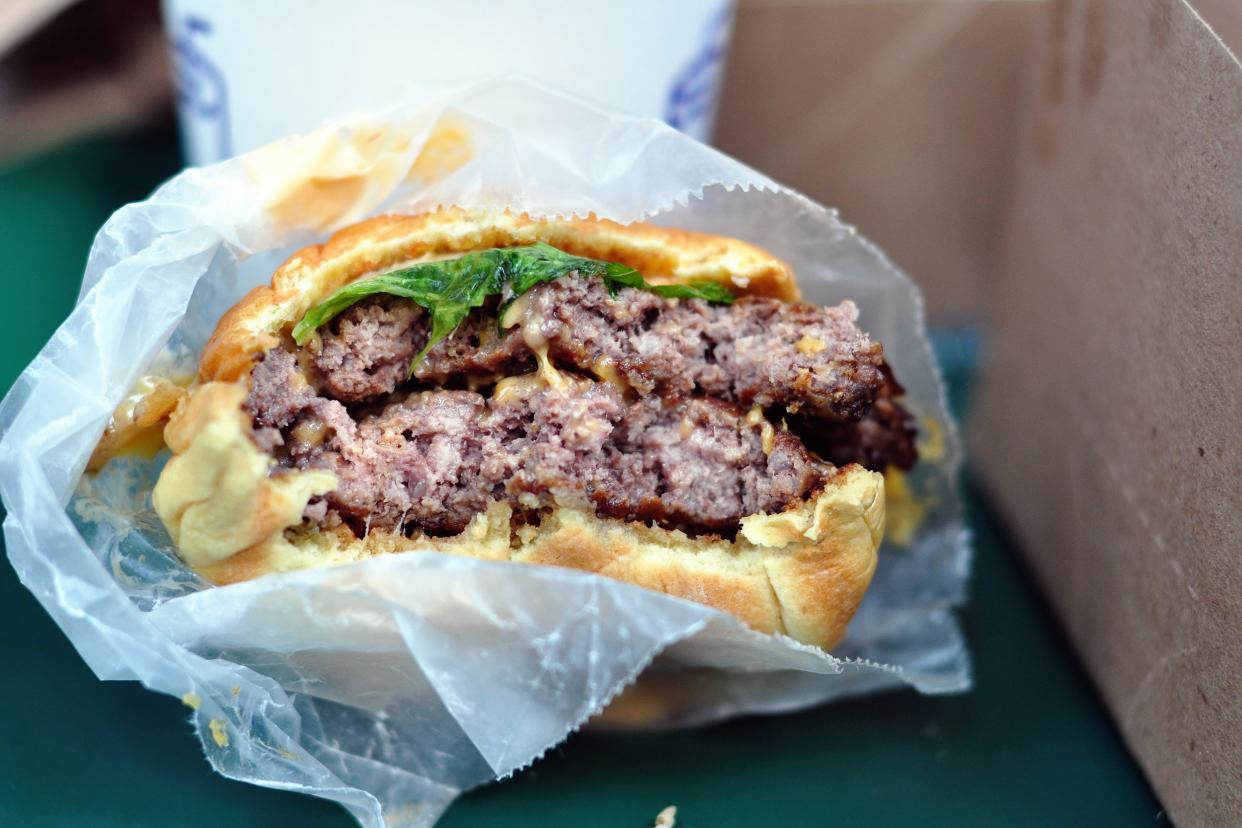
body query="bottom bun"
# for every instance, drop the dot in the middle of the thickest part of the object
(801, 572)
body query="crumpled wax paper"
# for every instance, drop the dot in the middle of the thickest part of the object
(393, 684)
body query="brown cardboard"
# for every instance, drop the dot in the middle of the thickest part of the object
(1108, 423)
(1225, 18)
(902, 114)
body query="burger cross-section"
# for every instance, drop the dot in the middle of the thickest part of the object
(654, 405)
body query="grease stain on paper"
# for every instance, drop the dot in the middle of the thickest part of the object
(219, 733)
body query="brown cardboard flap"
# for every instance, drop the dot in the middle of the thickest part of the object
(1109, 415)
(901, 114)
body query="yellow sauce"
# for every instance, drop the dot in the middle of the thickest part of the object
(606, 370)
(547, 371)
(511, 388)
(905, 509)
(136, 427)
(311, 432)
(932, 445)
(516, 310)
(809, 345)
(767, 437)
(768, 440)
(517, 313)
(219, 733)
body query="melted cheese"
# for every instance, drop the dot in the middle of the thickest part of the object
(513, 388)
(310, 432)
(551, 377)
(604, 368)
(810, 345)
(515, 312)
(906, 509)
(932, 446)
(534, 339)
(137, 425)
(767, 436)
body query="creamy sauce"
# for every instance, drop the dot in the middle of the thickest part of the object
(551, 377)
(136, 427)
(143, 444)
(128, 413)
(514, 313)
(124, 414)
(311, 432)
(767, 435)
(810, 345)
(606, 370)
(932, 445)
(511, 388)
(546, 378)
(518, 313)
(905, 508)
(532, 335)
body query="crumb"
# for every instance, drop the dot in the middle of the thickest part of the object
(236, 690)
(666, 818)
(191, 700)
(218, 733)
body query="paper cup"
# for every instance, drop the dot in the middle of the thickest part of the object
(248, 73)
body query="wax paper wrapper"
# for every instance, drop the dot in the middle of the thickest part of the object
(393, 684)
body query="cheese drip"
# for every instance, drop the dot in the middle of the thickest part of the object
(532, 335)
(767, 434)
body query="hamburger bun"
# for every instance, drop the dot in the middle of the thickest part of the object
(801, 572)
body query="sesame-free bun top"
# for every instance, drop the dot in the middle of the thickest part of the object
(801, 572)
(663, 255)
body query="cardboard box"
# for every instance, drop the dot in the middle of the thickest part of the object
(901, 114)
(1072, 170)
(1108, 423)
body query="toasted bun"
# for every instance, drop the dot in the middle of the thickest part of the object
(801, 572)
(662, 255)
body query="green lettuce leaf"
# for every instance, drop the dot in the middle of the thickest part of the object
(451, 288)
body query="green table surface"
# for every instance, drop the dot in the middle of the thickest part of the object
(1030, 745)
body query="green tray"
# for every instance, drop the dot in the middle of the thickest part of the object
(1031, 745)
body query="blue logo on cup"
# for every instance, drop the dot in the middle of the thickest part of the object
(691, 100)
(202, 93)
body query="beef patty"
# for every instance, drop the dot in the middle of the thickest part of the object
(657, 417)
(757, 351)
(435, 458)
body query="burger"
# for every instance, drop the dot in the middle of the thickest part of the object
(649, 404)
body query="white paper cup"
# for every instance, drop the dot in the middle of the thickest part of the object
(248, 73)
